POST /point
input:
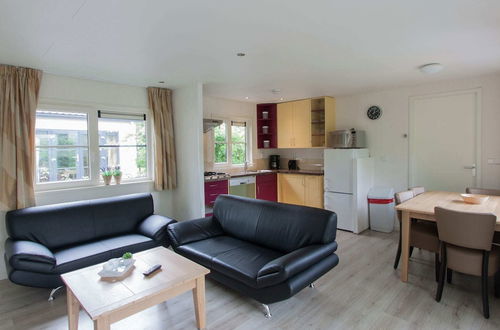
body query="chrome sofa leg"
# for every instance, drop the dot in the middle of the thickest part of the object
(51, 296)
(267, 311)
(312, 286)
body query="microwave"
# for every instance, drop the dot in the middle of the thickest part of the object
(346, 139)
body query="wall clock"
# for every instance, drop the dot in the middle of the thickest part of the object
(374, 112)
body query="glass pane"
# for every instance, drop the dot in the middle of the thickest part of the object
(238, 150)
(62, 164)
(220, 133)
(61, 146)
(221, 153)
(238, 153)
(122, 132)
(55, 128)
(131, 160)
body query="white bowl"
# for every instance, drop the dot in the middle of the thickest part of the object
(474, 199)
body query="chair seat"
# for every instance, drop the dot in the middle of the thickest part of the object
(470, 261)
(424, 235)
(232, 257)
(85, 255)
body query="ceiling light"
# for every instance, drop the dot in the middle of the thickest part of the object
(161, 82)
(281, 99)
(246, 97)
(240, 54)
(275, 90)
(430, 68)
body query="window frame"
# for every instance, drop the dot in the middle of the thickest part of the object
(93, 145)
(248, 137)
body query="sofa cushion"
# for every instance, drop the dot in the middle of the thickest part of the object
(120, 215)
(278, 226)
(233, 257)
(53, 226)
(92, 253)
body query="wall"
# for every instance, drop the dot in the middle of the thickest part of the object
(188, 202)
(187, 103)
(385, 135)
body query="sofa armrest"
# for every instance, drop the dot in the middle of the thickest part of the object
(184, 232)
(155, 227)
(284, 267)
(20, 251)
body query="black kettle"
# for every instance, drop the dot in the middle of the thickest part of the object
(292, 164)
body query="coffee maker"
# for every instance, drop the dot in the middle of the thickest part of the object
(274, 162)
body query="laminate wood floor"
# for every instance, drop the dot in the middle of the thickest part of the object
(362, 292)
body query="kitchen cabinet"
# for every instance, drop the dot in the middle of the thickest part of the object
(267, 131)
(214, 189)
(267, 187)
(305, 123)
(301, 189)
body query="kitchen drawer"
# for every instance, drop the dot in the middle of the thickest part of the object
(268, 177)
(214, 189)
(216, 185)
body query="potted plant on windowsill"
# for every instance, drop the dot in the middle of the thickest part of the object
(107, 175)
(117, 174)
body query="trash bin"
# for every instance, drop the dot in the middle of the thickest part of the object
(381, 209)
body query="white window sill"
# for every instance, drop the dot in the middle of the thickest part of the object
(101, 187)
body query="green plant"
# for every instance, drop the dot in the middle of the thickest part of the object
(106, 171)
(117, 171)
(127, 255)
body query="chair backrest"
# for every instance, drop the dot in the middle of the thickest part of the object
(402, 197)
(465, 229)
(417, 190)
(482, 191)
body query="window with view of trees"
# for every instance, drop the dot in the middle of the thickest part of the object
(230, 143)
(76, 146)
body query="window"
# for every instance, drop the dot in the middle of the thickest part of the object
(231, 143)
(62, 152)
(122, 144)
(73, 146)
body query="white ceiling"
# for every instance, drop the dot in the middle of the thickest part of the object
(305, 48)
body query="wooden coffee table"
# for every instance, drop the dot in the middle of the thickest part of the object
(108, 302)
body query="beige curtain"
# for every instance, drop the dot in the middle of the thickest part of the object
(160, 102)
(19, 89)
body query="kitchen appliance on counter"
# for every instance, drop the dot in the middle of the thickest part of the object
(348, 178)
(346, 139)
(242, 186)
(215, 175)
(274, 162)
(292, 164)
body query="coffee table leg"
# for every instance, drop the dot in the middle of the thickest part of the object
(199, 302)
(101, 323)
(73, 310)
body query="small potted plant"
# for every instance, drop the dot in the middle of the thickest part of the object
(107, 175)
(117, 174)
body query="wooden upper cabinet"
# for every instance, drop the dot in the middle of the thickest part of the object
(302, 124)
(305, 123)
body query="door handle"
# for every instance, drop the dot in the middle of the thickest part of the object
(471, 167)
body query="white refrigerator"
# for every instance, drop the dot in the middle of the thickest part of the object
(348, 178)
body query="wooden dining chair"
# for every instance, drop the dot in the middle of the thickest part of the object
(423, 234)
(483, 191)
(466, 247)
(417, 190)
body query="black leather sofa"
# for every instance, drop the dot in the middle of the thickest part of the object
(46, 241)
(265, 250)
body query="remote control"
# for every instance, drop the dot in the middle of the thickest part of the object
(152, 270)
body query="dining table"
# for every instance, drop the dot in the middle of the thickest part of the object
(421, 207)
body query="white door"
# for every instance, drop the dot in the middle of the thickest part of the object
(342, 205)
(445, 141)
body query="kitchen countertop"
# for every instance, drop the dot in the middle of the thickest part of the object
(251, 173)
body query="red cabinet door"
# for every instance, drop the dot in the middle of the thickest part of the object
(214, 189)
(267, 187)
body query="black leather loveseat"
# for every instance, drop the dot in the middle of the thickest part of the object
(265, 250)
(46, 241)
